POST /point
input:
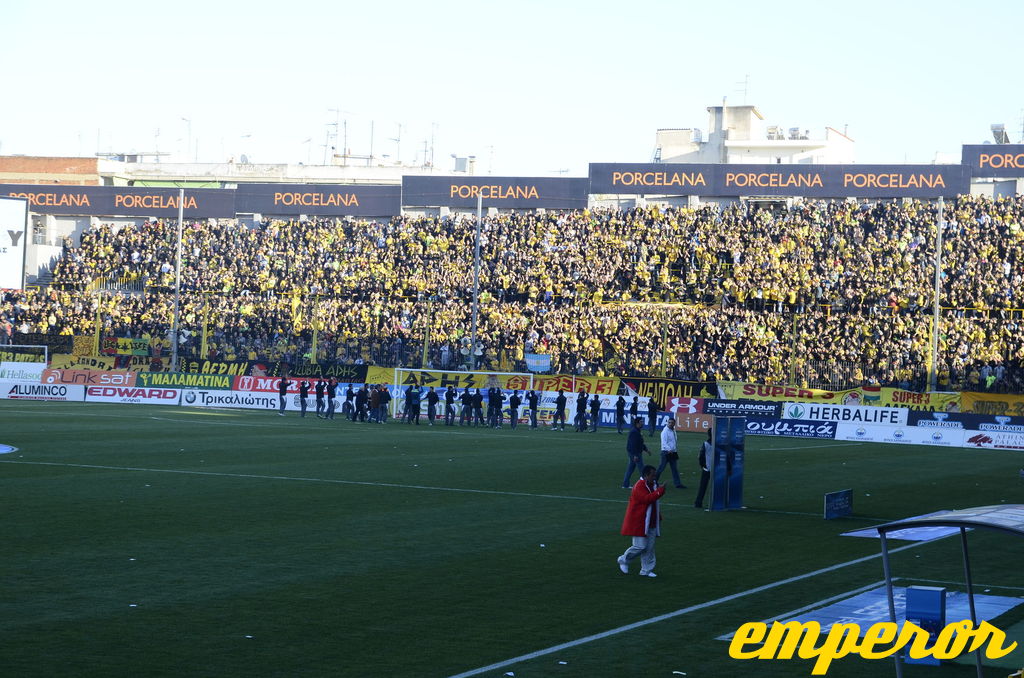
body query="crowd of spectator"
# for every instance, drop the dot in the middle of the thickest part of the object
(814, 293)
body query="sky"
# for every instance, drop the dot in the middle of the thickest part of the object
(531, 88)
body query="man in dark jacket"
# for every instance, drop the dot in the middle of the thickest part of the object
(652, 415)
(533, 402)
(705, 458)
(348, 408)
(620, 414)
(332, 391)
(362, 400)
(412, 404)
(303, 394)
(478, 409)
(282, 391)
(319, 389)
(466, 416)
(432, 399)
(595, 412)
(450, 396)
(559, 411)
(581, 411)
(385, 398)
(514, 402)
(635, 449)
(495, 399)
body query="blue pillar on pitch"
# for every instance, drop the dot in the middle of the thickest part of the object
(926, 607)
(728, 463)
(734, 467)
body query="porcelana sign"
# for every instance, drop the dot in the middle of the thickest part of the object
(783, 640)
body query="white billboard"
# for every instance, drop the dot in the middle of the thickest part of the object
(13, 232)
(132, 395)
(242, 399)
(906, 435)
(12, 390)
(852, 414)
(28, 372)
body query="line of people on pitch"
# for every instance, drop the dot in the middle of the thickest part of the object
(468, 407)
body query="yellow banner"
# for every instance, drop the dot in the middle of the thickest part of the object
(868, 395)
(123, 346)
(992, 403)
(83, 344)
(380, 375)
(483, 380)
(69, 361)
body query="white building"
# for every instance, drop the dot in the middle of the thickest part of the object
(738, 134)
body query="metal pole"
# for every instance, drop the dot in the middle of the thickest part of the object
(970, 594)
(476, 279)
(888, 592)
(426, 336)
(664, 340)
(177, 284)
(933, 378)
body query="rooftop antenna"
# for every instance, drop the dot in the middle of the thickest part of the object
(398, 145)
(433, 129)
(745, 88)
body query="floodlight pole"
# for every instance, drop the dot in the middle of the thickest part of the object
(177, 284)
(476, 279)
(933, 378)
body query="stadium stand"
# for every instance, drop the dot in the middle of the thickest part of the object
(823, 293)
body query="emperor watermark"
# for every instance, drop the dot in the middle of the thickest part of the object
(782, 640)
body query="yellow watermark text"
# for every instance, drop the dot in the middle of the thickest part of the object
(784, 640)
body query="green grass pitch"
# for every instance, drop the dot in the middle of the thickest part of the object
(165, 541)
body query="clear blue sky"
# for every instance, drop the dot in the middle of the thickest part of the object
(528, 87)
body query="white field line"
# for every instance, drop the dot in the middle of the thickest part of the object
(369, 483)
(671, 615)
(820, 603)
(319, 480)
(960, 583)
(812, 447)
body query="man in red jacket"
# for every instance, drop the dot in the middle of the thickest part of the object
(643, 522)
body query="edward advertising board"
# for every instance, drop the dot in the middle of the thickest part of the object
(132, 395)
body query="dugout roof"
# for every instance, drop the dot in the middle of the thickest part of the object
(1007, 518)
